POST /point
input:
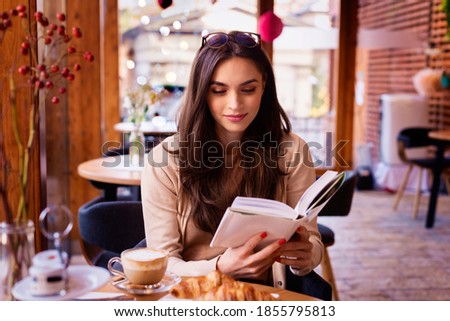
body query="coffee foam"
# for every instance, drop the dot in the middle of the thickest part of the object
(144, 255)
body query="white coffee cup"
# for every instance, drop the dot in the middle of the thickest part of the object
(144, 266)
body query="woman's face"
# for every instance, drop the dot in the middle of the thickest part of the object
(234, 97)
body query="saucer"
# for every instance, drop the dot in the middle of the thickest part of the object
(82, 279)
(168, 281)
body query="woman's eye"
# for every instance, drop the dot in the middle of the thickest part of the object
(218, 91)
(248, 90)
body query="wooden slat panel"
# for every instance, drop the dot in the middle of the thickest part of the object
(346, 62)
(110, 68)
(84, 96)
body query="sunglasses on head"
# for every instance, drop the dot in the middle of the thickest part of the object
(219, 39)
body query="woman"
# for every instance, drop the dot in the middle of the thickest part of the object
(234, 139)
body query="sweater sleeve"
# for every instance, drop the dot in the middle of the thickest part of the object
(301, 174)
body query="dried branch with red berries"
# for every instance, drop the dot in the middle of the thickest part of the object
(48, 74)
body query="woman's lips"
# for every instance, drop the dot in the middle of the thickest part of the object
(235, 118)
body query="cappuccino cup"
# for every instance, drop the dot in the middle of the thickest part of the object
(142, 266)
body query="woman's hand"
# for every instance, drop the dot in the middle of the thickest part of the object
(298, 251)
(244, 262)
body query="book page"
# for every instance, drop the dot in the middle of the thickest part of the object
(262, 206)
(322, 198)
(311, 193)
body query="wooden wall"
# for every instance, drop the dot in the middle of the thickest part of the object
(93, 106)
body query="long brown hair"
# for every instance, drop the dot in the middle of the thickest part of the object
(202, 180)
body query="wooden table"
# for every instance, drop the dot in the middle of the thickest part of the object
(442, 138)
(155, 133)
(148, 128)
(284, 295)
(108, 173)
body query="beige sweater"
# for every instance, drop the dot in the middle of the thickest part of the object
(190, 254)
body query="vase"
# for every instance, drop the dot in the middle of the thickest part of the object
(16, 253)
(137, 146)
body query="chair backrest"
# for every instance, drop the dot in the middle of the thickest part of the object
(412, 137)
(111, 227)
(341, 202)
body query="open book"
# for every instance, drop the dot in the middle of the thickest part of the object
(248, 216)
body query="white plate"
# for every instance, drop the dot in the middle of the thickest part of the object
(170, 297)
(167, 282)
(82, 279)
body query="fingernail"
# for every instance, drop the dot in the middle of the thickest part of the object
(282, 241)
(263, 235)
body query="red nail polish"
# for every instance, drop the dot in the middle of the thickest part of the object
(263, 235)
(282, 241)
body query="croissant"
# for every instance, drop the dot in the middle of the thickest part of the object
(193, 287)
(236, 291)
(216, 286)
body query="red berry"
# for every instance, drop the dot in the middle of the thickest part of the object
(48, 40)
(61, 16)
(13, 12)
(62, 90)
(25, 45)
(76, 32)
(61, 30)
(21, 8)
(71, 77)
(39, 84)
(52, 27)
(49, 84)
(7, 23)
(24, 70)
(88, 56)
(67, 38)
(44, 22)
(65, 72)
(76, 67)
(50, 33)
(4, 15)
(41, 67)
(23, 14)
(44, 75)
(54, 68)
(55, 100)
(24, 51)
(38, 15)
(71, 50)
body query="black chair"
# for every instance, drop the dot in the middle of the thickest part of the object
(108, 228)
(339, 205)
(311, 284)
(410, 138)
